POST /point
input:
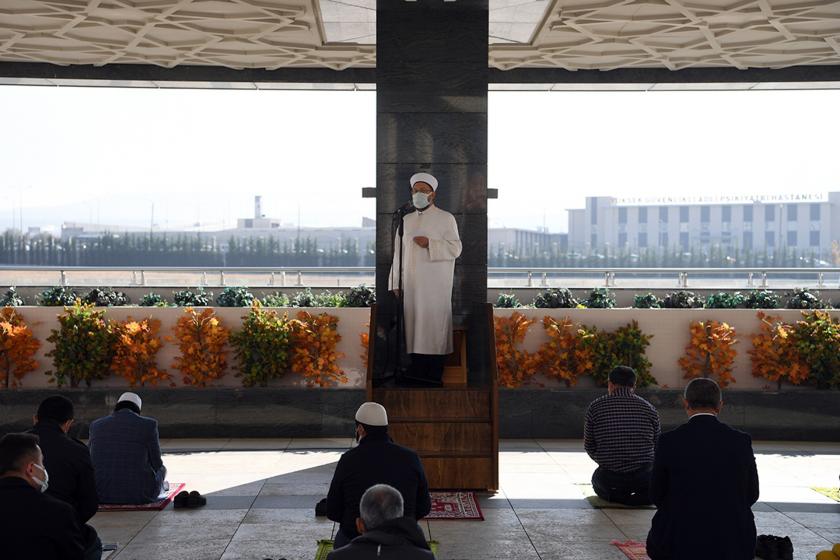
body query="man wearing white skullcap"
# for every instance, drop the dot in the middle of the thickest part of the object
(431, 245)
(125, 448)
(376, 460)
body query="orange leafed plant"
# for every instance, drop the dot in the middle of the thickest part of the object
(17, 347)
(514, 366)
(565, 356)
(710, 352)
(364, 338)
(775, 356)
(135, 354)
(314, 355)
(202, 340)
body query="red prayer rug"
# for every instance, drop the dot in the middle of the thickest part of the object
(174, 488)
(633, 550)
(455, 505)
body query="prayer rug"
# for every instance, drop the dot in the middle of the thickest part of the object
(455, 506)
(326, 546)
(174, 488)
(833, 493)
(633, 550)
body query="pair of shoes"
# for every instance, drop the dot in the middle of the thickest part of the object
(770, 547)
(186, 499)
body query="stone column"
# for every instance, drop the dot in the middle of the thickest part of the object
(431, 115)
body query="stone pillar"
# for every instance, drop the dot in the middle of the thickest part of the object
(431, 115)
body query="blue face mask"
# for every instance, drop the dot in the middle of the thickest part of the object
(420, 200)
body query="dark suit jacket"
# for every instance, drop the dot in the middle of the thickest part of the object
(125, 448)
(36, 526)
(376, 460)
(71, 471)
(704, 484)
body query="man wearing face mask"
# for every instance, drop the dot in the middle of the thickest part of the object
(376, 460)
(431, 245)
(33, 525)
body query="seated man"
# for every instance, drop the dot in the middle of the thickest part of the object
(620, 434)
(126, 455)
(33, 525)
(376, 460)
(704, 484)
(68, 462)
(385, 533)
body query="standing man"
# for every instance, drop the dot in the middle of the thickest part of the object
(68, 462)
(704, 485)
(431, 245)
(620, 435)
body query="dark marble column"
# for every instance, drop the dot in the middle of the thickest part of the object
(431, 113)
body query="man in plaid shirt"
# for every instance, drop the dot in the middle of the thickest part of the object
(620, 435)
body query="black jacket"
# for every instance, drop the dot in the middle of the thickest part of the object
(704, 483)
(376, 460)
(71, 471)
(398, 539)
(34, 526)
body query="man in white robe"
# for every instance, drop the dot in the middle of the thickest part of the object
(431, 246)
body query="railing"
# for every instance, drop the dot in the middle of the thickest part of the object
(334, 277)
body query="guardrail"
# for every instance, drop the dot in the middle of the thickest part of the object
(328, 277)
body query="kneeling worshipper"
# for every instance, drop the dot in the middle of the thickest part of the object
(125, 448)
(428, 248)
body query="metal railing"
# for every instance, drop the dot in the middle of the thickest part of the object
(508, 277)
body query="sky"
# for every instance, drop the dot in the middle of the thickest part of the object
(176, 158)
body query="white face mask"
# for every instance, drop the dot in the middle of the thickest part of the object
(420, 200)
(44, 483)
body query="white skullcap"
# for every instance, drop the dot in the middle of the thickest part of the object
(424, 178)
(132, 398)
(372, 414)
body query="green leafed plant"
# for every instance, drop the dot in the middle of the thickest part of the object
(153, 299)
(725, 300)
(762, 299)
(817, 338)
(11, 298)
(507, 301)
(277, 299)
(261, 347)
(625, 346)
(83, 346)
(682, 299)
(646, 301)
(800, 298)
(57, 297)
(105, 297)
(360, 296)
(235, 296)
(556, 298)
(600, 298)
(192, 298)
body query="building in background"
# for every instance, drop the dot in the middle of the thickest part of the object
(804, 222)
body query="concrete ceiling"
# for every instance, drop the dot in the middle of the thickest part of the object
(339, 34)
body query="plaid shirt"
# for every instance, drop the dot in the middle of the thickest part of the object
(621, 431)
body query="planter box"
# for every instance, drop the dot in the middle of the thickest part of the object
(669, 328)
(352, 321)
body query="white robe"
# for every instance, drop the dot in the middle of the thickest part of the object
(427, 280)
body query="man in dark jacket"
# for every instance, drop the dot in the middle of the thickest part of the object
(376, 460)
(704, 484)
(68, 462)
(125, 448)
(385, 533)
(33, 525)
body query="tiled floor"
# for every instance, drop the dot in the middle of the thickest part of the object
(262, 493)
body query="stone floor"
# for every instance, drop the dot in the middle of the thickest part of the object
(261, 497)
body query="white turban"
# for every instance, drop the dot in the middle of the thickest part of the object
(132, 398)
(372, 414)
(424, 178)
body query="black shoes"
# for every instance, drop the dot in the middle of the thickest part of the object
(186, 499)
(770, 547)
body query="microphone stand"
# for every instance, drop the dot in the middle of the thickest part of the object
(398, 228)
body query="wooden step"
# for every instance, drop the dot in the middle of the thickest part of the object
(446, 473)
(435, 403)
(445, 437)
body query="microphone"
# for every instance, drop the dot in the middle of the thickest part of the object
(406, 208)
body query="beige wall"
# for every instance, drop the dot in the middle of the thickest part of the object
(352, 322)
(669, 328)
